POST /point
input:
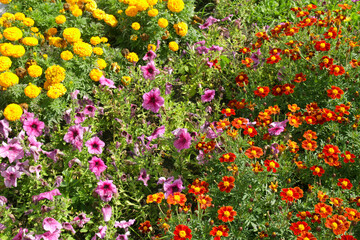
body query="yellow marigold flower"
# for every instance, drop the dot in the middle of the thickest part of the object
(5, 1)
(6, 49)
(45, 56)
(181, 29)
(173, 46)
(34, 29)
(163, 23)
(72, 34)
(5, 63)
(30, 41)
(91, 6)
(153, 12)
(95, 40)
(28, 22)
(8, 16)
(151, 47)
(110, 20)
(77, 12)
(13, 112)
(152, 2)
(141, 5)
(35, 71)
(66, 55)
(101, 63)
(56, 90)
(51, 31)
(99, 14)
(95, 74)
(55, 74)
(13, 33)
(132, 57)
(98, 51)
(135, 26)
(8, 79)
(126, 80)
(18, 51)
(82, 49)
(131, 11)
(175, 5)
(104, 40)
(19, 16)
(32, 91)
(60, 19)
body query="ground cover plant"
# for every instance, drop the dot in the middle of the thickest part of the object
(150, 119)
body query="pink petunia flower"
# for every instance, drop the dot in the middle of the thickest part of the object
(208, 96)
(80, 220)
(50, 224)
(33, 127)
(150, 71)
(10, 177)
(152, 100)
(149, 56)
(106, 82)
(46, 195)
(97, 166)
(144, 176)
(95, 145)
(12, 150)
(183, 139)
(75, 136)
(277, 127)
(105, 190)
(106, 211)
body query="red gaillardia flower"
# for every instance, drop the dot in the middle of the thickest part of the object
(228, 112)
(331, 150)
(254, 152)
(335, 92)
(205, 201)
(145, 227)
(228, 157)
(309, 145)
(317, 170)
(323, 210)
(262, 91)
(322, 46)
(271, 165)
(299, 227)
(182, 232)
(344, 183)
(289, 194)
(300, 77)
(348, 157)
(338, 224)
(273, 59)
(336, 70)
(227, 185)
(226, 214)
(250, 130)
(220, 231)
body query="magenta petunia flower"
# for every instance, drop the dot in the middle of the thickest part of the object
(149, 56)
(10, 177)
(46, 195)
(210, 21)
(33, 127)
(50, 224)
(90, 110)
(51, 235)
(102, 232)
(106, 82)
(277, 127)
(97, 166)
(144, 176)
(157, 133)
(95, 145)
(4, 128)
(75, 136)
(105, 190)
(106, 211)
(152, 100)
(123, 236)
(124, 224)
(67, 226)
(183, 139)
(150, 71)
(208, 96)
(81, 219)
(172, 187)
(12, 150)
(54, 154)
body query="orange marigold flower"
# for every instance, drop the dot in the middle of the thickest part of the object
(200, 145)
(299, 227)
(289, 194)
(335, 92)
(322, 196)
(220, 231)
(323, 210)
(222, 124)
(239, 122)
(306, 236)
(176, 198)
(244, 50)
(254, 152)
(309, 145)
(332, 160)
(344, 183)
(338, 224)
(198, 187)
(274, 186)
(317, 170)
(310, 135)
(226, 214)
(271, 165)
(182, 232)
(275, 51)
(302, 14)
(300, 77)
(337, 202)
(322, 46)
(330, 150)
(294, 121)
(300, 164)
(348, 157)
(247, 62)
(326, 62)
(336, 70)
(257, 167)
(228, 157)
(273, 59)
(330, 34)
(227, 184)
(345, 6)
(205, 201)
(351, 214)
(293, 108)
(303, 215)
(145, 227)
(316, 218)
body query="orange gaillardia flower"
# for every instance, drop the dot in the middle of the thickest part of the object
(220, 231)
(205, 201)
(289, 194)
(227, 184)
(323, 210)
(310, 135)
(182, 232)
(257, 167)
(254, 152)
(226, 214)
(177, 198)
(338, 224)
(344, 183)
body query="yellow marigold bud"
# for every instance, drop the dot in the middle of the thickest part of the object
(13, 112)
(163, 23)
(34, 29)
(45, 56)
(32, 91)
(56, 90)
(132, 57)
(8, 79)
(131, 11)
(175, 5)
(28, 22)
(135, 26)
(126, 80)
(82, 49)
(18, 51)
(13, 33)
(153, 12)
(95, 40)
(55, 74)
(151, 47)
(181, 29)
(152, 2)
(30, 41)
(66, 55)
(120, 11)
(101, 64)
(19, 16)
(98, 51)
(95, 74)
(60, 19)
(5, 63)
(35, 71)
(77, 12)
(72, 35)
(173, 46)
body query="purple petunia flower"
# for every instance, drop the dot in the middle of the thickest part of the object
(97, 166)
(80, 117)
(106, 82)
(12, 150)
(90, 110)
(149, 56)
(105, 190)
(46, 195)
(75, 136)
(208, 96)
(210, 21)
(33, 127)
(74, 94)
(10, 176)
(123, 236)
(152, 100)
(106, 211)
(277, 127)
(50, 224)
(157, 133)
(144, 176)
(4, 128)
(172, 187)
(35, 148)
(3, 200)
(228, 18)
(168, 88)
(150, 71)
(54, 154)
(202, 50)
(183, 139)
(95, 145)
(81, 219)
(216, 48)
(21, 234)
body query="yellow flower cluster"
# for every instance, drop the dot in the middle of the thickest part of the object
(56, 90)
(181, 29)
(66, 55)
(5, 63)
(175, 5)
(132, 57)
(32, 91)
(30, 41)
(13, 112)
(72, 35)
(10, 50)
(8, 79)
(6, 19)
(13, 33)
(35, 71)
(82, 49)
(55, 74)
(95, 74)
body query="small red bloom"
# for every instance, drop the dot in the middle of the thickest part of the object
(335, 92)
(275, 51)
(331, 150)
(244, 50)
(317, 170)
(300, 77)
(205, 201)
(226, 214)
(326, 62)
(289, 194)
(273, 59)
(251, 131)
(242, 79)
(303, 215)
(336, 70)
(322, 46)
(323, 210)
(299, 227)
(348, 157)
(228, 157)
(306, 236)
(344, 183)
(228, 112)
(182, 232)
(277, 90)
(254, 152)
(145, 227)
(262, 91)
(227, 184)
(220, 231)
(271, 165)
(176, 198)
(288, 88)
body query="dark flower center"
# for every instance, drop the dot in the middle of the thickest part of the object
(95, 145)
(106, 186)
(151, 70)
(34, 126)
